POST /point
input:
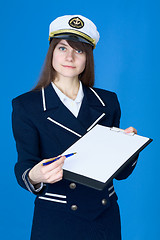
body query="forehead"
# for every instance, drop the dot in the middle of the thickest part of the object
(64, 42)
(73, 44)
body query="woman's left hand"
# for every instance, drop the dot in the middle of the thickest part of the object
(131, 130)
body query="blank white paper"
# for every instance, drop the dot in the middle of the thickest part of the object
(101, 152)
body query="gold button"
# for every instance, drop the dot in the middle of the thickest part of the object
(104, 201)
(74, 207)
(72, 185)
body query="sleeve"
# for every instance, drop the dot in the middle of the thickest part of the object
(27, 145)
(117, 113)
(130, 167)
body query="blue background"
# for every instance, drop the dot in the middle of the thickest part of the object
(126, 61)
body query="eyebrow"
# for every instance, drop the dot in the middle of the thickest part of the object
(62, 44)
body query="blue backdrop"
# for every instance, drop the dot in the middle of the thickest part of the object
(126, 61)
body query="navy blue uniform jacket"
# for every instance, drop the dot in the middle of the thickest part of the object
(43, 128)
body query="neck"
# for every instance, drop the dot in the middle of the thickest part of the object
(69, 86)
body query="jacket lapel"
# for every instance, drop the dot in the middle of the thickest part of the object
(58, 113)
(91, 111)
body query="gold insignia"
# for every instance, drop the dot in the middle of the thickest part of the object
(76, 22)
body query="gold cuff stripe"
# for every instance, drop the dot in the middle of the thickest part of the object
(85, 36)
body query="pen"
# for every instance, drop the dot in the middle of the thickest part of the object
(56, 158)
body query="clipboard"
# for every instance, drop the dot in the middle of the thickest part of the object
(101, 154)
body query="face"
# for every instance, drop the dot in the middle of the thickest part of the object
(67, 61)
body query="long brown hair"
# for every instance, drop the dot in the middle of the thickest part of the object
(48, 73)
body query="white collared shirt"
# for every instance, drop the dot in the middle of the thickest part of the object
(72, 105)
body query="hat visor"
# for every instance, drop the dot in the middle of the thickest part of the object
(71, 37)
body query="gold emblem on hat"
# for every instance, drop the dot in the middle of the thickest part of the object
(76, 22)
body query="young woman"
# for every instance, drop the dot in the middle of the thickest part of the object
(48, 120)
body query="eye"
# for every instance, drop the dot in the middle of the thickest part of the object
(79, 51)
(62, 48)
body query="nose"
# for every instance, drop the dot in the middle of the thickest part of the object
(70, 55)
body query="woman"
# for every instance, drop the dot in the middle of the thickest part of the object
(49, 119)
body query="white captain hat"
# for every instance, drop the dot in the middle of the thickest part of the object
(74, 28)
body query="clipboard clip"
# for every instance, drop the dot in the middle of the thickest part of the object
(119, 130)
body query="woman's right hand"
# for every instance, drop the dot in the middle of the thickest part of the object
(47, 174)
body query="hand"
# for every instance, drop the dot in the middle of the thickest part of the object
(131, 130)
(47, 174)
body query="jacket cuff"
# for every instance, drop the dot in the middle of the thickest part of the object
(28, 184)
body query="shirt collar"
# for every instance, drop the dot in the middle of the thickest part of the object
(63, 97)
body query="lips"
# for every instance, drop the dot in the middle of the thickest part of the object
(66, 66)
